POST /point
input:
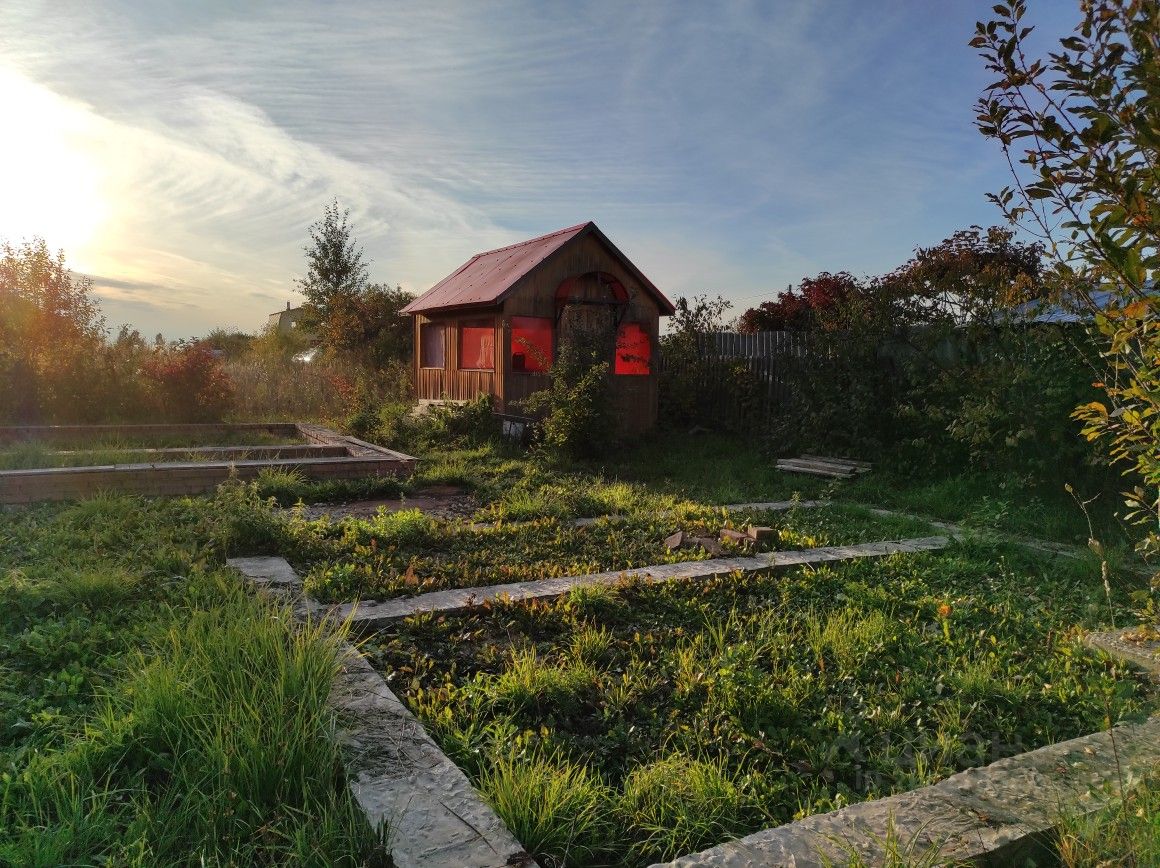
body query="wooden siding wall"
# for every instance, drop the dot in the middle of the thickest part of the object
(634, 397)
(448, 382)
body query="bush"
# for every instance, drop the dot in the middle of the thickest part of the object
(400, 425)
(576, 410)
(188, 384)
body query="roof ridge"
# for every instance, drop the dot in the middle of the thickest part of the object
(543, 237)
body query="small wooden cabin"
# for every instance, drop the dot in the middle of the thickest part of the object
(494, 325)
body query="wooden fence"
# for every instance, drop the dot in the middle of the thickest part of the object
(742, 380)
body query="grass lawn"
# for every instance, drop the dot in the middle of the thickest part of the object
(717, 468)
(640, 720)
(657, 720)
(131, 729)
(723, 468)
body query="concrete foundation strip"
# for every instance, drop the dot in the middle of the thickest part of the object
(997, 814)
(370, 615)
(1145, 655)
(1063, 550)
(993, 813)
(398, 775)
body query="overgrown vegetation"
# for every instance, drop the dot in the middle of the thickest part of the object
(406, 552)
(1126, 833)
(131, 732)
(630, 725)
(575, 407)
(62, 366)
(1079, 131)
(935, 364)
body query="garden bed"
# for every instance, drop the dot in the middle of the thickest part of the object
(120, 458)
(407, 552)
(628, 725)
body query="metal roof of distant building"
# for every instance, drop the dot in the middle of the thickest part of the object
(1072, 310)
(486, 278)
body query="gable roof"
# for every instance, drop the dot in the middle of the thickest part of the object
(486, 278)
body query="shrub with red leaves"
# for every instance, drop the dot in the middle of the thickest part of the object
(188, 384)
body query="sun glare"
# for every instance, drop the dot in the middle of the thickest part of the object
(50, 182)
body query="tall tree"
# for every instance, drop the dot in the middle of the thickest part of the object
(1080, 131)
(51, 331)
(335, 268)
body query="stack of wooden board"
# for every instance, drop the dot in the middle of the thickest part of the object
(838, 468)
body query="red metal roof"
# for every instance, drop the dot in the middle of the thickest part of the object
(484, 279)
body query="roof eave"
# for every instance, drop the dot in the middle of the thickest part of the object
(475, 307)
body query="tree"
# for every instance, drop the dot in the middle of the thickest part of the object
(370, 325)
(1080, 131)
(349, 316)
(51, 332)
(966, 278)
(335, 269)
(815, 304)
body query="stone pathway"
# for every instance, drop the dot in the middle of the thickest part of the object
(996, 815)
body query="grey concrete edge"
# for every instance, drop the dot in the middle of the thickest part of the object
(370, 615)
(399, 777)
(995, 815)
(1112, 642)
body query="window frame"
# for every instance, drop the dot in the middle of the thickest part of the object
(442, 328)
(474, 324)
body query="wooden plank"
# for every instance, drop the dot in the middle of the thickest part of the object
(831, 463)
(864, 465)
(815, 470)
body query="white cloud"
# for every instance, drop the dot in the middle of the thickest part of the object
(739, 145)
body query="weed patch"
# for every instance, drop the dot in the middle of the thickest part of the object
(702, 712)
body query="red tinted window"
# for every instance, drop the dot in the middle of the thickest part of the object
(531, 343)
(633, 349)
(431, 349)
(477, 346)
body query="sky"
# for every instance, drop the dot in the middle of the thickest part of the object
(178, 151)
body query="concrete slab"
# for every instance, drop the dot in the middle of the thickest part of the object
(400, 777)
(995, 815)
(1144, 654)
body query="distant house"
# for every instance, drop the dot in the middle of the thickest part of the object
(285, 321)
(493, 326)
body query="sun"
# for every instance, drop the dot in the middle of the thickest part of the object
(50, 180)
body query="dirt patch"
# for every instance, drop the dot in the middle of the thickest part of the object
(441, 501)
